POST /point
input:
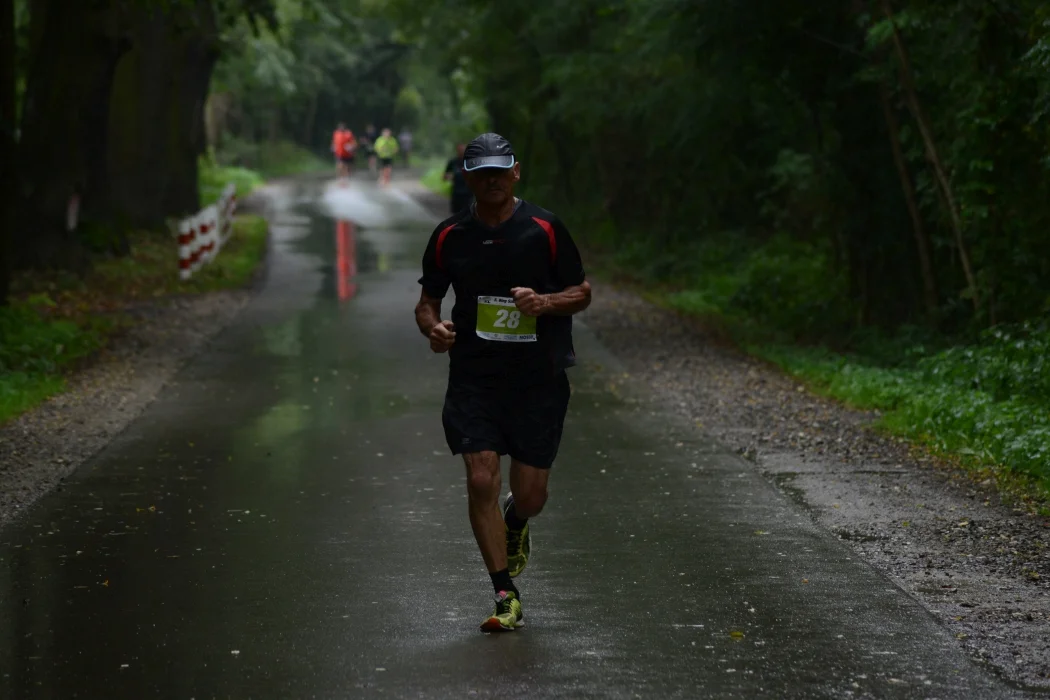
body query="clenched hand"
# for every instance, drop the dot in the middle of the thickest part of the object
(442, 336)
(529, 302)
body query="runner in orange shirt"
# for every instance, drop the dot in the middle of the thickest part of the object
(344, 146)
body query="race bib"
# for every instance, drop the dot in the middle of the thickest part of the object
(500, 320)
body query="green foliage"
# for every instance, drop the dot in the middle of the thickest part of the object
(34, 343)
(782, 286)
(677, 120)
(212, 180)
(320, 62)
(1010, 362)
(434, 177)
(269, 159)
(150, 271)
(989, 401)
(41, 336)
(20, 391)
(34, 350)
(237, 263)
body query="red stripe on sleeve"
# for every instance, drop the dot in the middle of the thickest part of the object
(441, 242)
(546, 226)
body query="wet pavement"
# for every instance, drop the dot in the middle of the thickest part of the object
(285, 522)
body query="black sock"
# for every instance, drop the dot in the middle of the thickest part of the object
(512, 519)
(501, 581)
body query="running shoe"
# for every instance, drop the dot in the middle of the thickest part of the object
(519, 543)
(507, 616)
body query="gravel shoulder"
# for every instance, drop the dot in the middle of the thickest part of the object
(42, 447)
(976, 564)
(39, 449)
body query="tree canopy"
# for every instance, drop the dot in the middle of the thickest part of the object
(888, 158)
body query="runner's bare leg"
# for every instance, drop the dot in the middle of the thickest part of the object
(483, 489)
(529, 486)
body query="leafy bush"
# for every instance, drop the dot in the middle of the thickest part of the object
(1010, 362)
(269, 158)
(782, 286)
(212, 179)
(790, 286)
(989, 401)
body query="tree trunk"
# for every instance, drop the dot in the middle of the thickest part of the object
(197, 54)
(7, 143)
(932, 154)
(157, 115)
(137, 111)
(216, 119)
(922, 238)
(64, 128)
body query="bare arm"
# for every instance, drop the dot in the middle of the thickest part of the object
(442, 334)
(569, 301)
(428, 313)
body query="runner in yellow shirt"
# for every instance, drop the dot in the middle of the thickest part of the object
(386, 148)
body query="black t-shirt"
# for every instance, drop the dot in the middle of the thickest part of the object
(531, 249)
(459, 182)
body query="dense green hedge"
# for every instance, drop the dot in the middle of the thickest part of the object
(668, 124)
(989, 401)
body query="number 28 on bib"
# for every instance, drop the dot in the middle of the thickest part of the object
(500, 320)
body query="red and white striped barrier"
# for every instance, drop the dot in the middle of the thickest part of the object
(203, 235)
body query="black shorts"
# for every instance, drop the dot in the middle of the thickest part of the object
(386, 162)
(348, 160)
(524, 422)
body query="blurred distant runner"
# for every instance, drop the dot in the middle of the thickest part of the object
(518, 280)
(344, 145)
(404, 139)
(461, 197)
(368, 141)
(386, 148)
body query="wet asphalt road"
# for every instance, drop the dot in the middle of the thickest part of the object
(285, 522)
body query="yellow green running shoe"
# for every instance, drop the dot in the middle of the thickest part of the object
(507, 616)
(519, 543)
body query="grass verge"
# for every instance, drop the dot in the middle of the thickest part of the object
(967, 404)
(35, 349)
(982, 403)
(270, 159)
(434, 178)
(213, 178)
(58, 319)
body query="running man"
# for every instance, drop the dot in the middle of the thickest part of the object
(518, 280)
(368, 141)
(344, 145)
(404, 139)
(461, 197)
(386, 148)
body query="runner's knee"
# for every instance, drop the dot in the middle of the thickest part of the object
(483, 475)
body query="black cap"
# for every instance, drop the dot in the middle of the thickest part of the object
(488, 151)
